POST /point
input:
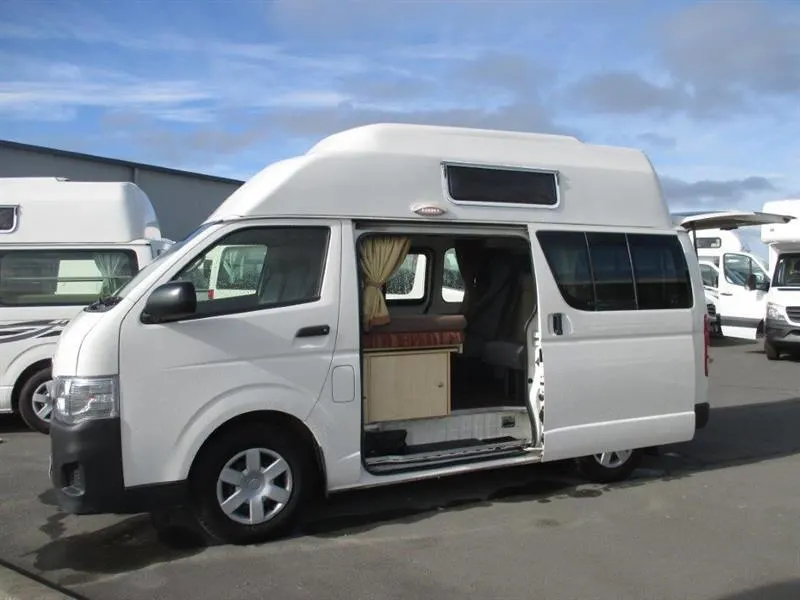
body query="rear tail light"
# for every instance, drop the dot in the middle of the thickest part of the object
(210, 294)
(706, 341)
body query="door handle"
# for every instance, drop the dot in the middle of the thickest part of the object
(313, 331)
(558, 324)
(726, 293)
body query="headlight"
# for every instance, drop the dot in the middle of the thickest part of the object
(774, 311)
(78, 399)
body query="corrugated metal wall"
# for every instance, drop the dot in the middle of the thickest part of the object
(181, 199)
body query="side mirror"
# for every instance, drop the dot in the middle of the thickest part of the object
(170, 302)
(750, 282)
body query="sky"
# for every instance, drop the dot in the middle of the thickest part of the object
(709, 90)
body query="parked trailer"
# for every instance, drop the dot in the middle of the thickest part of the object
(63, 245)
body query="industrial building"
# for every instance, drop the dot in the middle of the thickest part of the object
(182, 199)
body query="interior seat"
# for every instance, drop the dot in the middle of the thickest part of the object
(510, 350)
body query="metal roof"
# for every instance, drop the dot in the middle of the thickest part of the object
(113, 161)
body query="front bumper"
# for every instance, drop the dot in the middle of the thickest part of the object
(781, 334)
(86, 472)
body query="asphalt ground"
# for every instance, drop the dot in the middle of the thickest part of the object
(714, 519)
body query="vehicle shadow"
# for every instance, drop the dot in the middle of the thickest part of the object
(729, 342)
(785, 590)
(12, 424)
(735, 436)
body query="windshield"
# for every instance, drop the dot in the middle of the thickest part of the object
(787, 271)
(142, 274)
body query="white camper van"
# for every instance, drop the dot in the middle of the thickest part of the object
(736, 280)
(782, 325)
(63, 245)
(581, 332)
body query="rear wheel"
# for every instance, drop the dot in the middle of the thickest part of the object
(609, 467)
(250, 484)
(35, 406)
(771, 351)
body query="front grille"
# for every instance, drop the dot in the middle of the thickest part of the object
(793, 312)
(712, 310)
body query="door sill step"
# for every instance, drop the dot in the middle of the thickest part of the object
(487, 451)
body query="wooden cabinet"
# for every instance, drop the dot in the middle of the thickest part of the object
(406, 384)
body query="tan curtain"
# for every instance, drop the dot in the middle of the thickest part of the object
(380, 258)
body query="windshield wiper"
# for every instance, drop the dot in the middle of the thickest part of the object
(102, 303)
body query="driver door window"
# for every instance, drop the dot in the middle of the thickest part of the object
(737, 268)
(257, 268)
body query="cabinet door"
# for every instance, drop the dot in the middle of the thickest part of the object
(407, 386)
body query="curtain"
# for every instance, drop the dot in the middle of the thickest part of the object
(468, 255)
(380, 258)
(115, 269)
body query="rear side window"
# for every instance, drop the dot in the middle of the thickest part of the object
(615, 271)
(662, 275)
(568, 256)
(409, 281)
(611, 267)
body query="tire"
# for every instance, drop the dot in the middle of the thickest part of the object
(29, 405)
(771, 351)
(594, 471)
(231, 452)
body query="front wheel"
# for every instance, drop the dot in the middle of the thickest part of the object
(35, 406)
(609, 467)
(250, 484)
(771, 351)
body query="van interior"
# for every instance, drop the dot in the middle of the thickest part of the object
(446, 321)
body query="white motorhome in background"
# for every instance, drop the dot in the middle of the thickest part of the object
(736, 280)
(782, 325)
(63, 245)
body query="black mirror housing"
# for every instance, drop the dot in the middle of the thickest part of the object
(751, 282)
(170, 302)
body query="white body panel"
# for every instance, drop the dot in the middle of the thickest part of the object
(69, 223)
(641, 372)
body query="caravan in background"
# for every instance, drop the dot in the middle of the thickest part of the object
(63, 245)
(782, 326)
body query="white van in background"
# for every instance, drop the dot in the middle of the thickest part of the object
(782, 325)
(63, 245)
(579, 332)
(737, 280)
